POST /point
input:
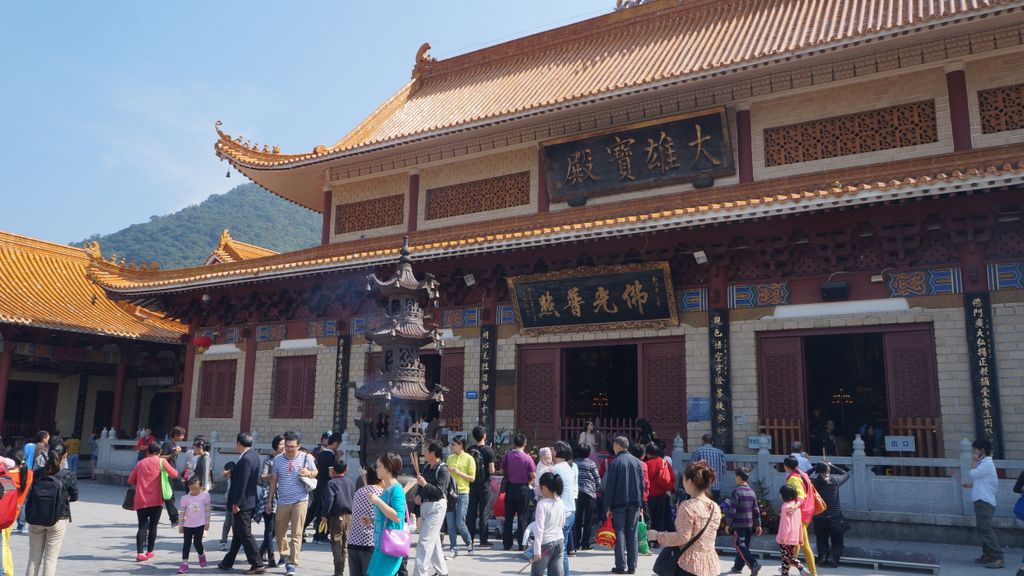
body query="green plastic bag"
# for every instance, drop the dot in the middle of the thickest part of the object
(642, 546)
(165, 485)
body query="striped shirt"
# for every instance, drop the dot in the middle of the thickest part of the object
(589, 479)
(745, 512)
(359, 535)
(715, 459)
(290, 489)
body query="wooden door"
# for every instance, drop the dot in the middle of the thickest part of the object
(538, 394)
(663, 387)
(912, 389)
(782, 390)
(452, 377)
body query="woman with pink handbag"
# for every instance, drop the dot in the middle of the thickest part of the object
(391, 536)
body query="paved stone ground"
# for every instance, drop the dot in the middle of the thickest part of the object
(101, 540)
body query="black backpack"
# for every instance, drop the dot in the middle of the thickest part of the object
(478, 458)
(46, 499)
(452, 494)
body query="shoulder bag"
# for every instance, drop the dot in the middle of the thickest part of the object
(395, 542)
(165, 481)
(308, 482)
(668, 558)
(129, 499)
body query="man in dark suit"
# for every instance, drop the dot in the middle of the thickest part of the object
(241, 501)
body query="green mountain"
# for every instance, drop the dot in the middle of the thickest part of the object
(186, 237)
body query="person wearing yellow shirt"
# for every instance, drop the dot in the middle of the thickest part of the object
(73, 445)
(797, 478)
(462, 467)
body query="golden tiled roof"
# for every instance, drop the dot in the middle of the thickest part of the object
(845, 187)
(230, 250)
(46, 285)
(661, 42)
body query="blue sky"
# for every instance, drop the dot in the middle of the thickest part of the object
(107, 108)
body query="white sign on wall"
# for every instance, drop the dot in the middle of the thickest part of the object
(900, 444)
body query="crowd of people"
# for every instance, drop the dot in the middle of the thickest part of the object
(550, 505)
(41, 474)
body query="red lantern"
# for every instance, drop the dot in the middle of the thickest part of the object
(202, 343)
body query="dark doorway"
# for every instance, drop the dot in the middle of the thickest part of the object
(163, 412)
(601, 382)
(103, 415)
(31, 406)
(845, 376)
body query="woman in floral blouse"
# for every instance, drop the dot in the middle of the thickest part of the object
(693, 515)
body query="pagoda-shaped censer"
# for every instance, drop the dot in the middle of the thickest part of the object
(400, 386)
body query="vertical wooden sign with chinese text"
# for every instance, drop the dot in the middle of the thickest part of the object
(981, 355)
(341, 382)
(718, 360)
(655, 153)
(488, 365)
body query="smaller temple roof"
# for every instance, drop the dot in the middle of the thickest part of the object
(47, 285)
(834, 189)
(231, 250)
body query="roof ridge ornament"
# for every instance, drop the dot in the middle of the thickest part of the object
(423, 60)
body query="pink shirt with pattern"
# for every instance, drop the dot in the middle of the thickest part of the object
(195, 510)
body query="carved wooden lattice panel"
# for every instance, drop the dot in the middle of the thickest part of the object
(871, 131)
(479, 196)
(781, 377)
(369, 214)
(294, 387)
(217, 389)
(910, 374)
(452, 378)
(537, 394)
(1001, 109)
(664, 366)
(1007, 241)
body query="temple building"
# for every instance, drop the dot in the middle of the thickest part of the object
(71, 359)
(739, 217)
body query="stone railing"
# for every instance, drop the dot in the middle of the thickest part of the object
(116, 458)
(937, 492)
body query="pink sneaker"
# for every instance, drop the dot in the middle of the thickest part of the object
(183, 568)
(202, 560)
(140, 558)
(149, 555)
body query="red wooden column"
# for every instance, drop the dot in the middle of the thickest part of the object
(718, 287)
(414, 200)
(959, 113)
(119, 383)
(543, 202)
(6, 359)
(325, 233)
(744, 147)
(184, 410)
(248, 381)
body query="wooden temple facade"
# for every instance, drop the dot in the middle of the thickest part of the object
(739, 217)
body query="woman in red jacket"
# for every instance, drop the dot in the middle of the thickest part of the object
(149, 498)
(663, 481)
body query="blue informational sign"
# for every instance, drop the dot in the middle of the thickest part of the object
(471, 395)
(698, 409)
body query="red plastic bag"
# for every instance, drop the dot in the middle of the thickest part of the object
(606, 534)
(499, 506)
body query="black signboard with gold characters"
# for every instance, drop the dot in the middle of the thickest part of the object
(660, 152)
(981, 356)
(591, 298)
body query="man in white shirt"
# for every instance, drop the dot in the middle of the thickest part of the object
(984, 483)
(797, 451)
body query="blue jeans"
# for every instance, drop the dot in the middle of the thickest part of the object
(624, 524)
(456, 520)
(73, 462)
(570, 519)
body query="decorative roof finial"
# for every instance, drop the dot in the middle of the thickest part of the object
(404, 251)
(423, 60)
(224, 237)
(93, 250)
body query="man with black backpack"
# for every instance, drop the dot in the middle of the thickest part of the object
(480, 488)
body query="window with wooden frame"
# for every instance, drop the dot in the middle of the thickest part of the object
(217, 389)
(294, 387)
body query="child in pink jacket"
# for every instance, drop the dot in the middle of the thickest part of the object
(790, 530)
